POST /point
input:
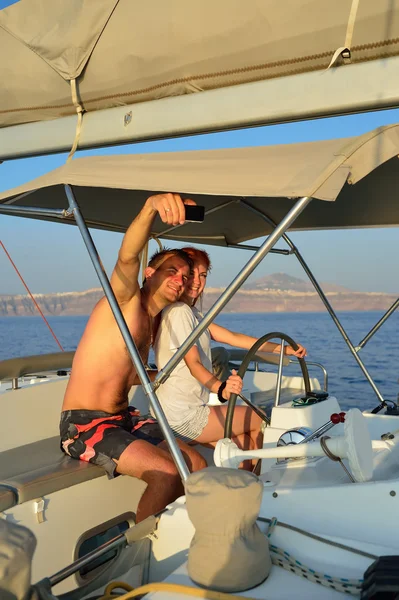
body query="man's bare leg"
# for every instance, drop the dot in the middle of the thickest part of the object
(194, 460)
(155, 466)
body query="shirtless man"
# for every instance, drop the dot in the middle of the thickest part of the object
(97, 424)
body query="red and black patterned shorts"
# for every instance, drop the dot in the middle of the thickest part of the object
(99, 437)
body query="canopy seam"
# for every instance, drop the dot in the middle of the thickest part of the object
(247, 69)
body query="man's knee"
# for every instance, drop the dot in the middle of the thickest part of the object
(194, 460)
(163, 474)
(198, 462)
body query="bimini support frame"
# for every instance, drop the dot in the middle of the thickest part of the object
(233, 287)
(163, 233)
(295, 251)
(149, 388)
(377, 326)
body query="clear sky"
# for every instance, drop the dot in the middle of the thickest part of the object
(52, 258)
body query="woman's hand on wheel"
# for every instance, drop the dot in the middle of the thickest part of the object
(289, 351)
(233, 385)
(300, 353)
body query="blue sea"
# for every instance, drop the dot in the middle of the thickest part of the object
(23, 336)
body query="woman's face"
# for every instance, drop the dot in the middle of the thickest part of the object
(195, 283)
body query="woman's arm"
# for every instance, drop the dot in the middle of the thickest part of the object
(240, 340)
(207, 379)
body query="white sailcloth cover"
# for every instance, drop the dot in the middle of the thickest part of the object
(123, 51)
(228, 552)
(357, 177)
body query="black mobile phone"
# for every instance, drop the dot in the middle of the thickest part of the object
(194, 213)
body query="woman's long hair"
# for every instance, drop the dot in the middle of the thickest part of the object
(198, 255)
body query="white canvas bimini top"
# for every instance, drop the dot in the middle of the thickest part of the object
(357, 177)
(124, 51)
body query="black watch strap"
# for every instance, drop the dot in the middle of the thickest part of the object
(220, 392)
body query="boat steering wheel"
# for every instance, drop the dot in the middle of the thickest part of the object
(228, 426)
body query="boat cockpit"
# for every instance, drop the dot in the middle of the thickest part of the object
(315, 492)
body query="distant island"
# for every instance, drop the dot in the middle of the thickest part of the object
(273, 293)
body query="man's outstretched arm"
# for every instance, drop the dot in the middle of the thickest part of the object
(124, 278)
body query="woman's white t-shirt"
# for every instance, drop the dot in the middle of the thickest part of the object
(181, 395)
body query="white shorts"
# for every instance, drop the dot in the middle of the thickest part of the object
(192, 428)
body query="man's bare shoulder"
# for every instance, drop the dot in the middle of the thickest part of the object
(103, 308)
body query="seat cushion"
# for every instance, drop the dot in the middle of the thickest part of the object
(41, 468)
(7, 498)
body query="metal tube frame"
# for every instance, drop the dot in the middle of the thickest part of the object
(215, 209)
(27, 211)
(318, 432)
(377, 325)
(323, 299)
(127, 337)
(247, 247)
(232, 288)
(323, 370)
(113, 544)
(207, 212)
(279, 374)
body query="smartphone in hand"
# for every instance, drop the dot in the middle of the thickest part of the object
(194, 213)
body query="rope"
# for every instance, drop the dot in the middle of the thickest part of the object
(172, 588)
(32, 298)
(285, 560)
(317, 538)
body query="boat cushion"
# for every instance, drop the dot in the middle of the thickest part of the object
(17, 367)
(41, 468)
(7, 498)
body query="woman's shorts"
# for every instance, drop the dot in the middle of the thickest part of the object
(189, 430)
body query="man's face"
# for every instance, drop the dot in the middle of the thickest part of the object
(169, 279)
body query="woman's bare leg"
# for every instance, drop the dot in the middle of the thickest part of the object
(245, 432)
(244, 442)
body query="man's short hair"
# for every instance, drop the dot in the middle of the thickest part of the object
(158, 258)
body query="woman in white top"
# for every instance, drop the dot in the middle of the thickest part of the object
(185, 393)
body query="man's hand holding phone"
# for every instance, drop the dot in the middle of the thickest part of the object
(175, 211)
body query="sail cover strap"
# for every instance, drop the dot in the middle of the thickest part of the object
(348, 38)
(80, 110)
